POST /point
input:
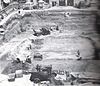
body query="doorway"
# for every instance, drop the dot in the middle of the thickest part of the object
(62, 3)
(70, 2)
(54, 3)
(47, 1)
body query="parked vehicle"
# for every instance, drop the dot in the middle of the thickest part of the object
(2, 31)
(11, 77)
(38, 57)
(42, 74)
(42, 31)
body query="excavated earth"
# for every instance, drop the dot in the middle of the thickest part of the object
(77, 32)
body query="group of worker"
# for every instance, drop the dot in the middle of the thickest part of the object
(17, 60)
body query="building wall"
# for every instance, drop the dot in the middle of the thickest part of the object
(66, 1)
(57, 2)
(0, 5)
(35, 2)
(50, 2)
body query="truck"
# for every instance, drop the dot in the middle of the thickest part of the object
(42, 74)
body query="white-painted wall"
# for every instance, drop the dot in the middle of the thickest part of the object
(35, 2)
(75, 1)
(0, 5)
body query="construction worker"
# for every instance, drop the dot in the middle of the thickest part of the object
(70, 78)
(38, 67)
(28, 59)
(78, 55)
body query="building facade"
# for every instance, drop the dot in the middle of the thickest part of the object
(65, 2)
(52, 3)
